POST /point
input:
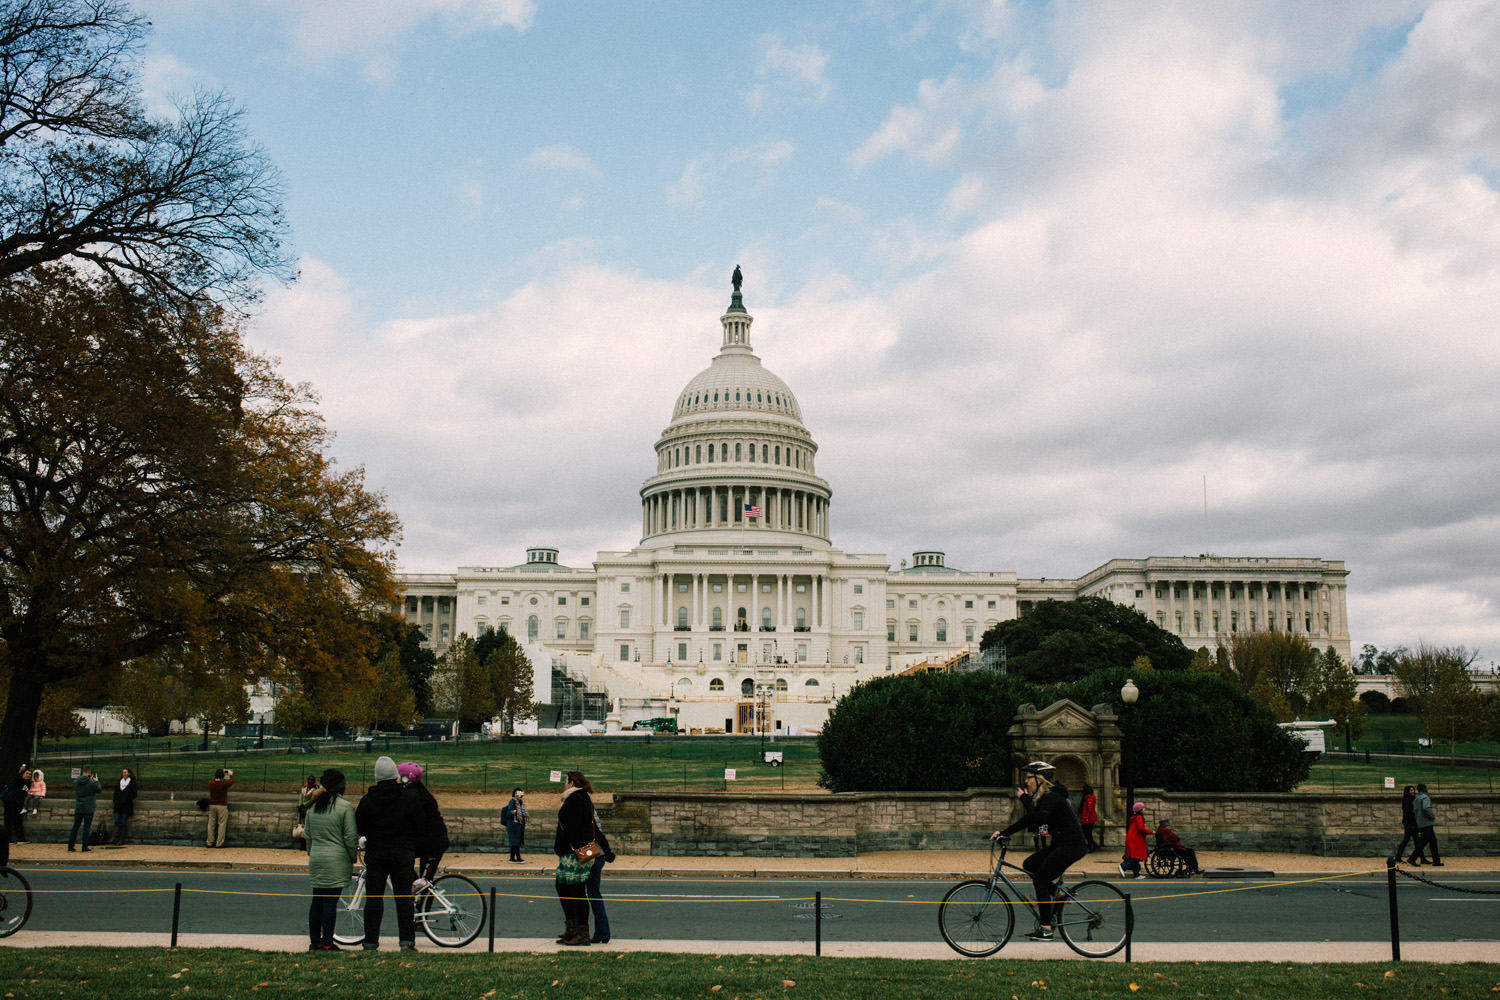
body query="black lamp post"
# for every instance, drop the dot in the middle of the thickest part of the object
(1128, 694)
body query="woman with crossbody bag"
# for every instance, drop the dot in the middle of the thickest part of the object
(576, 850)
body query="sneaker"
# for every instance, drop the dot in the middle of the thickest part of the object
(417, 885)
(314, 947)
(1139, 875)
(1040, 934)
(1123, 872)
(408, 946)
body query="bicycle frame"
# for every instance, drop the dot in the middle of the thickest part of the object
(1059, 888)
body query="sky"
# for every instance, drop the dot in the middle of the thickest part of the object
(1043, 276)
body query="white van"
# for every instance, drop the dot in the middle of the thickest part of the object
(1312, 734)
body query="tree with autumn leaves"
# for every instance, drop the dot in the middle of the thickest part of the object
(165, 493)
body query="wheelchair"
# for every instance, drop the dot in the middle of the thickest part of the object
(1165, 862)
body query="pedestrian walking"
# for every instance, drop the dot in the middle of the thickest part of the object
(332, 835)
(1135, 843)
(1088, 816)
(387, 817)
(85, 789)
(218, 807)
(513, 818)
(1409, 826)
(124, 801)
(591, 886)
(38, 791)
(432, 832)
(15, 792)
(575, 833)
(1421, 808)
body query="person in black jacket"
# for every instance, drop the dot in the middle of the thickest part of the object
(432, 832)
(575, 829)
(124, 799)
(1045, 802)
(388, 821)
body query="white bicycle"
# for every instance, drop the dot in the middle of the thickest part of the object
(450, 910)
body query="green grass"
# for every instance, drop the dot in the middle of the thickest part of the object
(623, 764)
(128, 974)
(1399, 734)
(1352, 776)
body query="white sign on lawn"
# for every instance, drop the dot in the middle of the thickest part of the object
(556, 775)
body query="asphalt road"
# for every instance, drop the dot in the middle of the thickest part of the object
(101, 901)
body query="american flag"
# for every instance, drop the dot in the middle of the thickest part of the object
(752, 510)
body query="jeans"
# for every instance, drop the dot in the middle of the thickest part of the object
(122, 820)
(1409, 836)
(322, 913)
(87, 821)
(1427, 837)
(596, 899)
(392, 863)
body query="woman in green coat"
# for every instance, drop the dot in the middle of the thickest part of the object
(332, 847)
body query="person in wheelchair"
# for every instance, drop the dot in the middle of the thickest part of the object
(1170, 844)
(1045, 804)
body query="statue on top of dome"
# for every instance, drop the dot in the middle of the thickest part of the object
(737, 279)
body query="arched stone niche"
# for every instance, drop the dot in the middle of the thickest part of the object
(1083, 744)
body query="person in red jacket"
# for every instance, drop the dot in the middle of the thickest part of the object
(1088, 815)
(1135, 843)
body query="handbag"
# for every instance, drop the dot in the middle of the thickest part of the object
(299, 831)
(588, 852)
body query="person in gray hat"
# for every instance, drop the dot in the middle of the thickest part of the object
(388, 820)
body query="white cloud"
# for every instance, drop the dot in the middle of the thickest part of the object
(561, 157)
(797, 74)
(753, 163)
(165, 81)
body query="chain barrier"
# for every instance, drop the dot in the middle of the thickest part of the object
(1407, 873)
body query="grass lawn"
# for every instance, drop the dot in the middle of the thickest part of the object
(621, 764)
(1399, 734)
(126, 974)
(1351, 776)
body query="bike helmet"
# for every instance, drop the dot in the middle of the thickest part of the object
(409, 771)
(1040, 767)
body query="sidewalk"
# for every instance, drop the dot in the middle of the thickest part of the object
(883, 864)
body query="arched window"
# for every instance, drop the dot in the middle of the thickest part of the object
(531, 627)
(765, 453)
(781, 684)
(710, 453)
(812, 682)
(942, 630)
(801, 618)
(717, 684)
(736, 451)
(718, 618)
(699, 459)
(682, 618)
(778, 454)
(765, 618)
(741, 622)
(684, 682)
(562, 628)
(752, 451)
(747, 687)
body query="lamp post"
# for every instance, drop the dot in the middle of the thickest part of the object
(1128, 694)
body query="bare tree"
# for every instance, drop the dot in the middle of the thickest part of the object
(184, 206)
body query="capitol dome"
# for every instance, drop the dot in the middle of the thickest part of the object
(736, 441)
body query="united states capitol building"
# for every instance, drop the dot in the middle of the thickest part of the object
(736, 606)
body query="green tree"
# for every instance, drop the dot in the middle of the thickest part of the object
(461, 685)
(1418, 672)
(395, 707)
(1276, 668)
(1333, 694)
(1057, 641)
(510, 672)
(183, 204)
(1453, 709)
(1204, 662)
(162, 490)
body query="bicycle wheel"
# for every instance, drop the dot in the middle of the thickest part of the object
(349, 919)
(975, 919)
(452, 911)
(1091, 918)
(15, 901)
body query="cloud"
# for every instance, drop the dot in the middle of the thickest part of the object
(561, 157)
(753, 163)
(165, 79)
(796, 74)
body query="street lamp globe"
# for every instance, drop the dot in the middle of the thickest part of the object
(1129, 693)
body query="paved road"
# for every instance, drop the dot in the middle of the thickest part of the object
(103, 901)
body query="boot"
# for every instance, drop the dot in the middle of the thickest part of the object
(567, 934)
(580, 935)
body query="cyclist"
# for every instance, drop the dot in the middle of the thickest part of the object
(432, 832)
(1045, 801)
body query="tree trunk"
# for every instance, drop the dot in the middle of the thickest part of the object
(22, 703)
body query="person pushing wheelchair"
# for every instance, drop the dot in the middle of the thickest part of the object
(1045, 801)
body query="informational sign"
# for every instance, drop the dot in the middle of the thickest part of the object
(1390, 782)
(728, 774)
(76, 772)
(556, 775)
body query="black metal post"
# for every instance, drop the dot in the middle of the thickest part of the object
(176, 912)
(492, 919)
(1390, 889)
(1129, 924)
(1129, 763)
(818, 924)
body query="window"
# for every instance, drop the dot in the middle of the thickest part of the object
(700, 454)
(682, 586)
(562, 601)
(992, 604)
(624, 588)
(583, 629)
(911, 604)
(739, 588)
(890, 602)
(533, 600)
(859, 620)
(1140, 593)
(812, 682)
(482, 601)
(717, 684)
(531, 627)
(778, 454)
(968, 604)
(682, 652)
(890, 630)
(718, 618)
(624, 652)
(718, 588)
(802, 618)
(859, 654)
(562, 629)
(765, 588)
(801, 588)
(942, 630)
(765, 652)
(682, 618)
(747, 687)
(765, 618)
(764, 453)
(801, 652)
(445, 629)
(711, 447)
(911, 630)
(859, 588)
(624, 617)
(428, 629)
(584, 601)
(968, 633)
(737, 451)
(718, 651)
(505, 599)
(781, 685)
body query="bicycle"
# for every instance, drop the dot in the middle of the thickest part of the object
(15, 901)
(977, 917)
(451, 914)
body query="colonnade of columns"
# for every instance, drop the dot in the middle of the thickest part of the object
(1220, 607)
(695, 507)
(699, 599)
